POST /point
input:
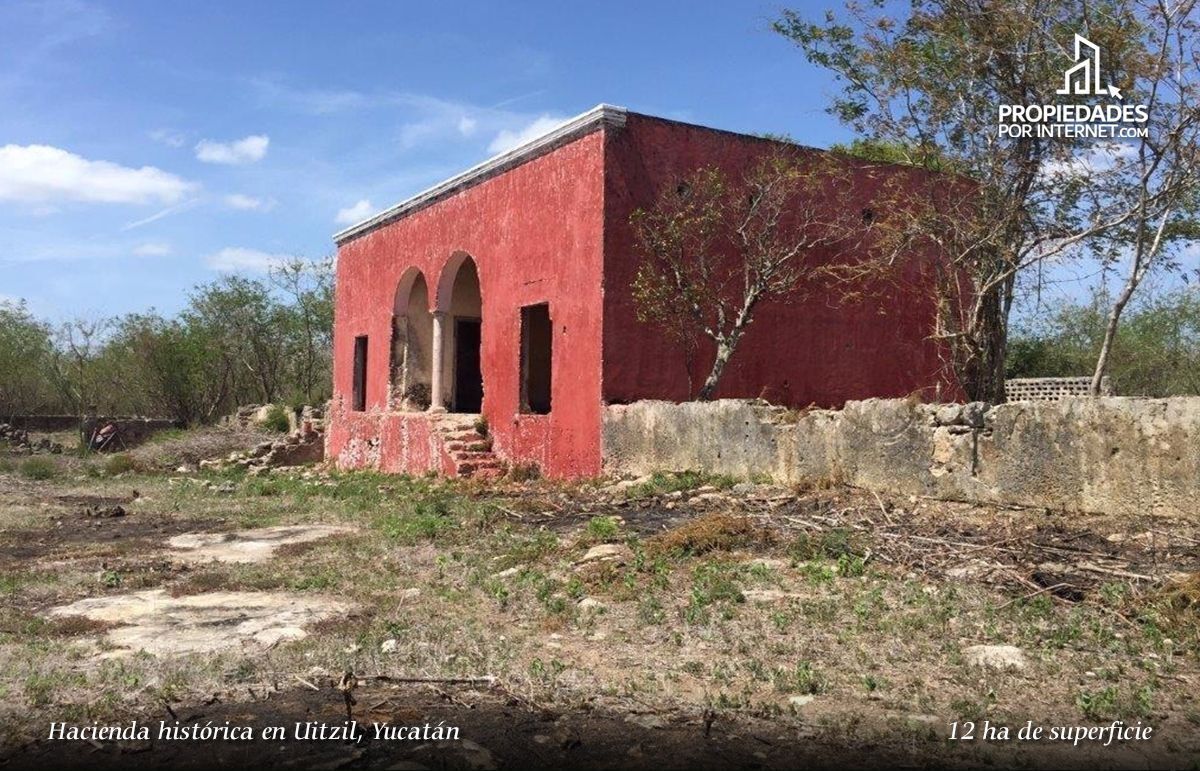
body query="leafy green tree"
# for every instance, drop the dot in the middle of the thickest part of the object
(308, 285)
(25, 351)
(1155, 352)
(248, 327)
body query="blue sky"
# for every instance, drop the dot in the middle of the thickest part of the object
(146, 147)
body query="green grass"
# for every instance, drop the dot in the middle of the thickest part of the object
(802, 678)
(120, 464)
(603, 528)
(39, 468)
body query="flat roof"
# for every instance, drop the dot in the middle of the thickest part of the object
(585, 123)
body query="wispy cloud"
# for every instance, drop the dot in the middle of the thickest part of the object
(41, 174)
(508, 139)
(356, 213)
(152, 249)
(250, 149)
(167, 212)
(244, 202)
(423, 119)
(168, 137)
(236, 259)
(313, 101)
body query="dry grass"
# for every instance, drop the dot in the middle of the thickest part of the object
(869, 617)
(711, 532)
(173, 448)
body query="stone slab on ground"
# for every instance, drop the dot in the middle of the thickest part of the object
(155, 622)
(254, 545)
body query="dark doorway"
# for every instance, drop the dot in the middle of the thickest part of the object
(360, 374)
(536, 354)
(468, 376)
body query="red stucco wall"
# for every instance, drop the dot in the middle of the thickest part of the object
(535, 234)
(813, 350)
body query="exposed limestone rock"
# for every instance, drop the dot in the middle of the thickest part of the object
(155, 622)
(247, 545)
(607, 552)
(1002, 657)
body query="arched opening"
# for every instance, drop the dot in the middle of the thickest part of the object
(462, 372)
(412, 344)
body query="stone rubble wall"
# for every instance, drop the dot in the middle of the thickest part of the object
(1117, 455)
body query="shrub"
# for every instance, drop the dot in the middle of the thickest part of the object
(119, 464)
(39, 468)
(277, 419)
(524, 472)
(603, 528)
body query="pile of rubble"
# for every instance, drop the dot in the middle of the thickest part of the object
(19, 439)
(250, 415)
(303, 446)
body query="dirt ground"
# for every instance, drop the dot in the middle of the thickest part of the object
(675, 621)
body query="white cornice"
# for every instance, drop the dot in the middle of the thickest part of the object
(597, 117)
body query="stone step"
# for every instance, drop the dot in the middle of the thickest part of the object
(479, 468)
(464, 436)
(458, 445)
(465, 455)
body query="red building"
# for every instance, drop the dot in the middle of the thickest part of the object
(505, 292)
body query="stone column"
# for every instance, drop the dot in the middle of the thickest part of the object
(435, 374)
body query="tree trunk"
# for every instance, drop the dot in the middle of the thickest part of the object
(1110, 334)
(984, 382)
(724, 351)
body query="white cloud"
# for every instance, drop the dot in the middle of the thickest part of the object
(41, 173)
(356, 213)
(507, 139)
(247, 150)
(249, 202)
(234, 259)
(467, 125)
(1095, 159)
(152, 249)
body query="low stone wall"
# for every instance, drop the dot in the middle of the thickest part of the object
(1117, 454)
(134, 431)
(43, 423)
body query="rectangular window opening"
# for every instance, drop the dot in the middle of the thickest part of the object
(360, 373)
(536, 352)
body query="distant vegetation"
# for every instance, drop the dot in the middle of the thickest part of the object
(1156, 352)
(238, 341)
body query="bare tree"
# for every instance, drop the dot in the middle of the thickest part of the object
(1152, 184)
(714, 249)
(927, 87)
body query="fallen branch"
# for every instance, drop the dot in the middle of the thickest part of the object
(305, 682)
(485, 680)
(1031, 595)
